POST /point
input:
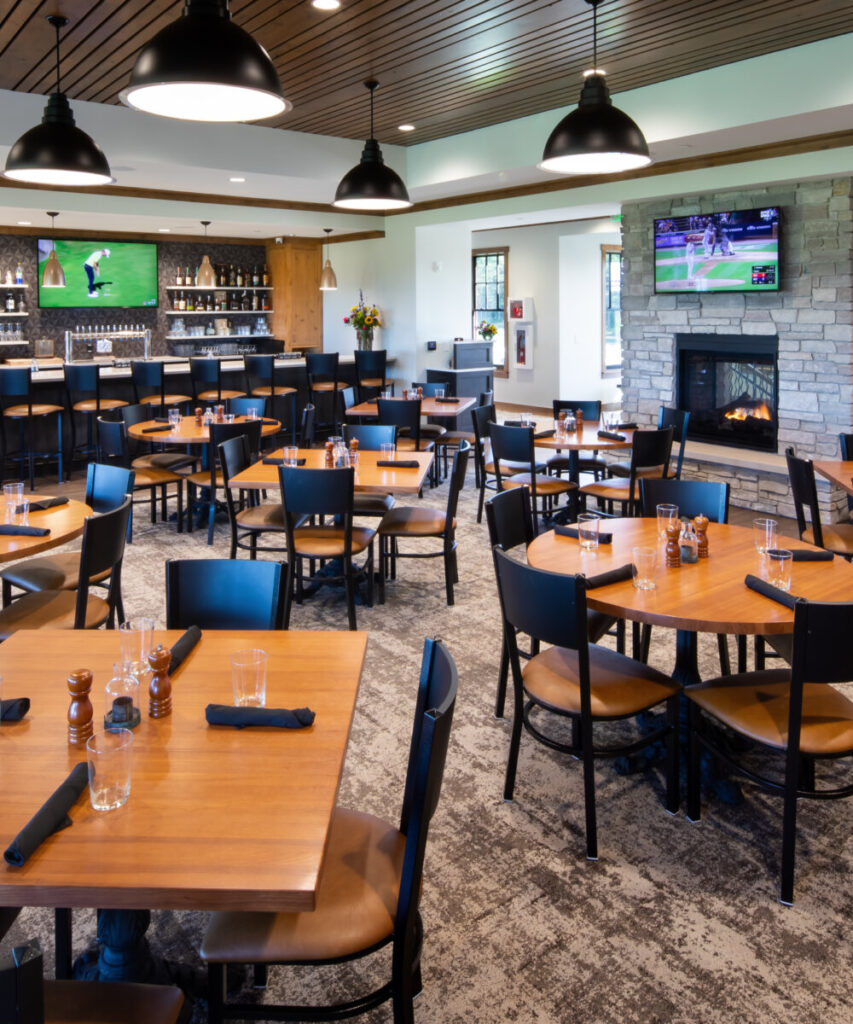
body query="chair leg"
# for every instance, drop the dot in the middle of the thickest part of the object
(482, 498)
(760, 649)
(215, 993)
(514, 742)
(789, 837)
(288, 591)
(7, 593)
(349, 587)
(449, 574)
(672, 743)
(741, 652)
(180, 506)
(694, 752)
(59, 447)
(211, 515)
(723, 648)
(383, 566)
(589, 789)
(503, 673)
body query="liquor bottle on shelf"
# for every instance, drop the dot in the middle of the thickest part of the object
(266, 277)
(234, 303)
(222, 279)
(19, 273)
(195, 279)
(210, 302)
(182, 302)
(21, 304)
(256, 277)
(245, 303)
(265, 302)
(255, 301)
(232, 277)
(239, 277)
(10, 302)
(187, 279)
(179, 278)
(190, 302)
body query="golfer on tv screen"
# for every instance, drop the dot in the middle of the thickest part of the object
(93, 270)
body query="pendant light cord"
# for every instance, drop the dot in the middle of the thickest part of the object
(58, 86)
(595, 38)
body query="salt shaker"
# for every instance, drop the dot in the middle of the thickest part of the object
(688, 544)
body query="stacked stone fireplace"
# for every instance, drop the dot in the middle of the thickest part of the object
(807, 323)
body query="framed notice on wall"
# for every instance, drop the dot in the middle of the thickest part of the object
(522, 345)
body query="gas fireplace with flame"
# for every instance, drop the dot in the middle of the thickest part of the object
(729, 384)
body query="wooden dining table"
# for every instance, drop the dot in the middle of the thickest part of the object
(586, 438)
(707, 597)
(838, 472)
(188, 431)
(429, 407)
(65, 522)
(369, 478)
(218, 818)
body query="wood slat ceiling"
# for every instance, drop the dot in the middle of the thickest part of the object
(447, 66)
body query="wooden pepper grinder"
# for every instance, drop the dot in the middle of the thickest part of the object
(579, 420)
(673, 554)
(160, 687)
(701, 525)
(80, 712)
(199, 416)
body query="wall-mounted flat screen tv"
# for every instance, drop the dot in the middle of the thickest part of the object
(734, 251)
(97, 275)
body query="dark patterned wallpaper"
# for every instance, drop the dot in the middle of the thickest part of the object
(52, 323)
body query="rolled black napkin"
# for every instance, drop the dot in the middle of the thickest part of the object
(542, 434)
(161, 419)
(768, 590)
(572, 531)
(447, 401)
(272, 460)
(270, 423)
(624, 572)
(49, 818)
(182, 648)
(240, 718)
(398, 463)
(625, 426)
(514, 423)
(157, 430)
(611, 435)
(804, 555)
(43, 504)
(14, 708)
(10, 530)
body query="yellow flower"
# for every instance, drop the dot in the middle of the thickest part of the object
(353, 309)
(368, 320)
(374, 312)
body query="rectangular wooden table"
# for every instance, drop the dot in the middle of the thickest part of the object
(369, 478)
(218, 818)
(837, 472)
(429, 407)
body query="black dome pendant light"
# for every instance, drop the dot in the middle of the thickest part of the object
(370, 185)
(57, 152)
(203, 67)
(596, 137)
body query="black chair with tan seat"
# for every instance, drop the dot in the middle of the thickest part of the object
(371, 437)
(206, 381)
(17, 406)
(837, 537)
(149, 385)
(307, 494)
(370, 373)
(405, 415)
(679, 420)
(429, 390)
(145, 455)
(218, 593)
(650, 453)
(513, 450)
(100, 556)
(324, 385)
(511, 526)
(248, 517)
(576, 680)
(83, 395)
(261, 381)
(369, 890)
(590, 463)
(795, 715)
(417, 522)
(210, 477)
(100, 1002)
(106, 489)
(112, 440)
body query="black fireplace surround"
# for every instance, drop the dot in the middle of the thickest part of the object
(729, 383)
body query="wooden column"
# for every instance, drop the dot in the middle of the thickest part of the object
(295, 267)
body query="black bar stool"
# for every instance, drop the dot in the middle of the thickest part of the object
(83, 395)
(16, 402)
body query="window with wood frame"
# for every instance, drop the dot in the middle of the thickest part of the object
(488, 301)
(611, 318)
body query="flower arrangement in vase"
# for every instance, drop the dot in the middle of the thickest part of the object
(486, 330)
(364, 319)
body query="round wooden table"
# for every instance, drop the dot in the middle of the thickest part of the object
(188, 432)
(707, 597)
(585, 439)
(65, 522)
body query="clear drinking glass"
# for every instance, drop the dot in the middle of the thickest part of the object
(439, 393)
(667, 514)
(779, 564)
(174, 417)
(384, 395)
(22, 517)
(252, 413)
(110, 759)
(137, 641)
(764, 533)
(13, 495)
(386, 450)
(291, 455)
(644, 562)
(249, 677)
(588, 531)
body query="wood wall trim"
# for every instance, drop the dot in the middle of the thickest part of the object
(149, 236)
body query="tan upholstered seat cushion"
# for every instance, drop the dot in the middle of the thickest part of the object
(407, 444)
(214, 396)
(328, 385)
(372, 504)
(202, 478)
(39, 409)
(91, 404)
(544, 484)
(623, 469)
(837, 537)
(414, 521)
(167, 399)
(264, 390)
(154, 475)
(50, 609)
(454, 436)
(433, 430)
(53, 572)
(586, 463)
(617, 489)
(756, 705)
(110, 1002)
(328, 541)
(261, 517)
(172, 461)
(356, 901)
(619, 686)
(371, 382)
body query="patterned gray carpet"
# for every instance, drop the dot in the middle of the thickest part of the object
(675, 923)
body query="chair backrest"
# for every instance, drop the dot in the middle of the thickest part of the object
(316, 492)
(321, 366)
(434, 706)
(81, 378)
(678, 419)
(147, 375)
(651, 448)
(102, 550)
(370, 436)
(15, 384)
(457, 481)
(401, 413)
(481, 417)
(107, 486)
(429, 388)
(370, 365)
(112, 440)
(260, 368)
(486, 398)
(204, 370)
(219, 432)
(591, 409)
(348, 397)
(234, 455)
(693, 497)
(804, 492)
(846, 442)
(509, 518)
(133, 414)
(223, 593)
(242, 406)
(306, 433)
(511, 444)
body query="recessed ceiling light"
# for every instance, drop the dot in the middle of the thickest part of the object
(326, 5)
(25, 223)
(406, 127)
(236, 179)
(164, 231)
